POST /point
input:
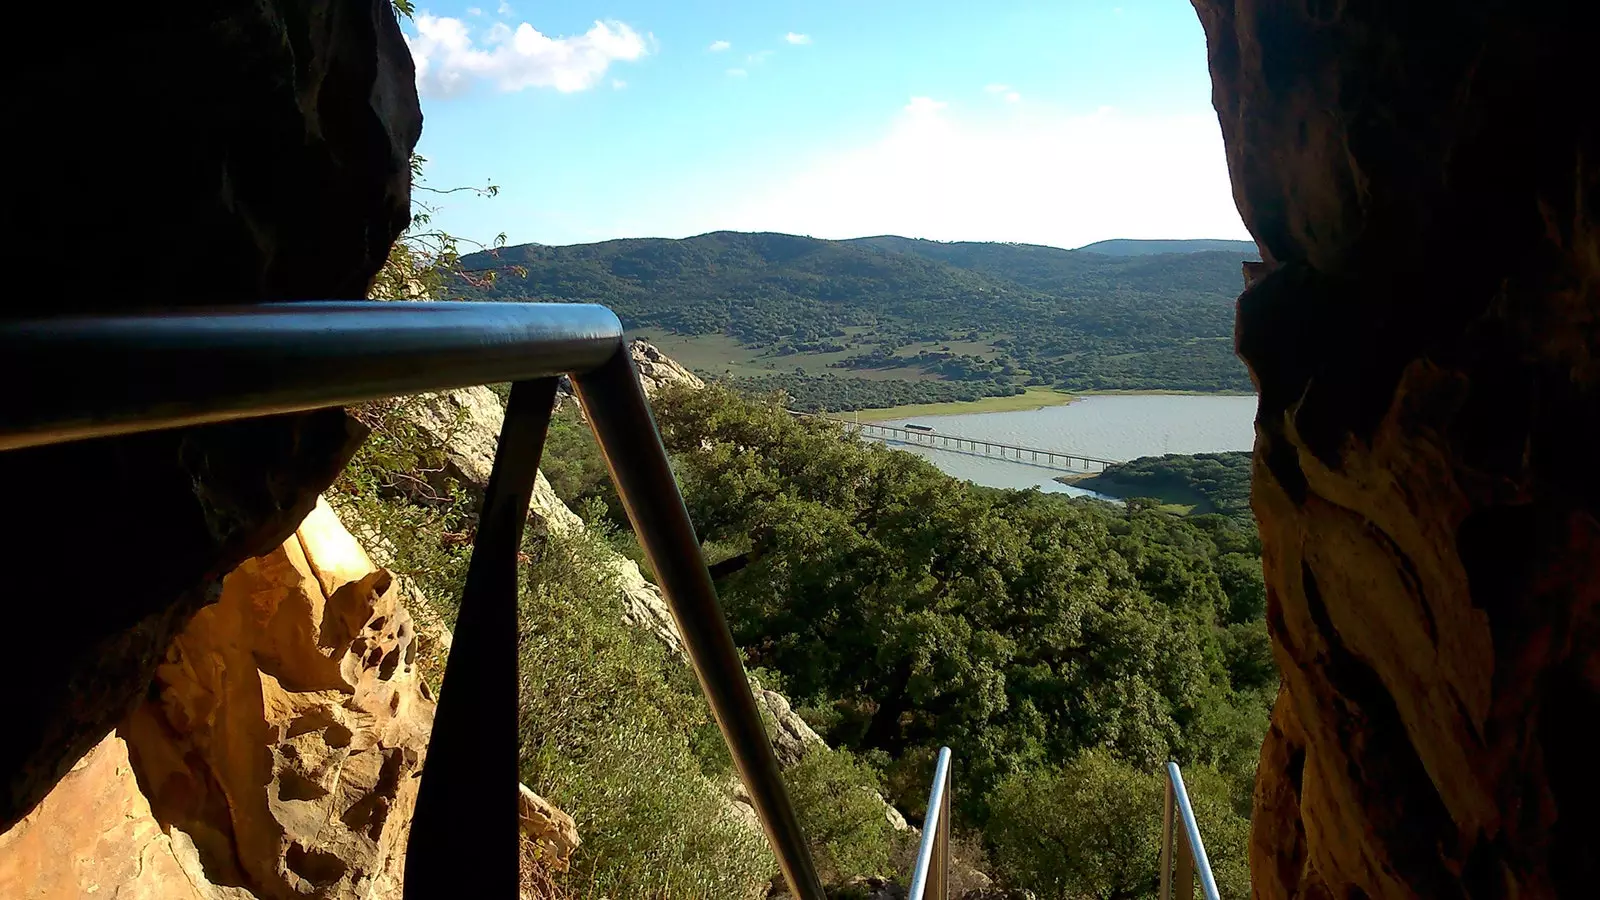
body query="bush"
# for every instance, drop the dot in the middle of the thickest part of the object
(613, 732)
(1092, 828)
(836, 797)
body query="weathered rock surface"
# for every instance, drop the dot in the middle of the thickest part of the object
(657, 370)
(212, 153)
(553, 833)
(466, 423)
(93, 835)
(287, 724)
(1422, 181)
(276, 756)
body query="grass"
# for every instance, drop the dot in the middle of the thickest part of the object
(719, 354)
(1032, 398)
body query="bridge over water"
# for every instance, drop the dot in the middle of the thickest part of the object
(1058, 460)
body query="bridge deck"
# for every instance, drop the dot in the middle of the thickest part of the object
(1058, 460)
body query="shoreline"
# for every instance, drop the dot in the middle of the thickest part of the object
(1034, 398)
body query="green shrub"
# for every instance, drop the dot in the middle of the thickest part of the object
(1091, 828)
(614, 731)
(835, 796)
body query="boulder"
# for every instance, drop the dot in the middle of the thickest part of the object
(219, 153)
(1421, 180)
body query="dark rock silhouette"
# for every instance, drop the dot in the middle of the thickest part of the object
(194, 154)
(1422, 181)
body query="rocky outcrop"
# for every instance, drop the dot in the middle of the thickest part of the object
(657, 370)
(276, 755)
(552, 832)
(1422, 182)
(211, 153)
(94, 835)
(466, 423)
(288, 724)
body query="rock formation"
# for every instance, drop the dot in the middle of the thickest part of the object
(215, 153)
(1422, 181)
(552, 832)
(276, 756)
(657, 370)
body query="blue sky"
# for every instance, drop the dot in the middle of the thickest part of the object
(1060, 122)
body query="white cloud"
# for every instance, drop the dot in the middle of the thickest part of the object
(737, 73)
(758, 57)
(1034, 174)
(1004, 91)
(450, 58)
(474, 11)
(618, 84)
(719, 46)
(505, 8)
(793, 38)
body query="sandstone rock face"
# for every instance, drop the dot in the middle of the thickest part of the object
(551, 831)
(288, 725)
(1423, 333)
(657, 370)
(97, 819)
(231, 152)
(791, 737)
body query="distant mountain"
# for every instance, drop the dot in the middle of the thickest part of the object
(1125, 247)
(1006, 314)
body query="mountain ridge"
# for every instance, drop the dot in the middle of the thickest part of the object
(898, 307)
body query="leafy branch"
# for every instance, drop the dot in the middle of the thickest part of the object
(425, 260)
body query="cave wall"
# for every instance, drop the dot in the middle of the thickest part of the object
(1423, 180)
(180, 154)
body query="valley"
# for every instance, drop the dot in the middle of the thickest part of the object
(887, 322)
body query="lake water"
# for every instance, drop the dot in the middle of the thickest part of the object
(1111, 426)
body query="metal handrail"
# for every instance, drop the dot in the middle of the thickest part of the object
(930, 879)
(1191, 851)
(79, 377)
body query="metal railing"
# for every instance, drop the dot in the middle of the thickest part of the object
(1180, 832)
(930, 879)
(79, 377)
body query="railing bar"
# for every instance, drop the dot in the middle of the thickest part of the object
(938, 813)
(1167, 821)
(79, 377)
(472, 751)
(1197, 849)
(632, 447)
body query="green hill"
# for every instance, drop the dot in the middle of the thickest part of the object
(1205, 482)
(1127, 247)
(995, 317)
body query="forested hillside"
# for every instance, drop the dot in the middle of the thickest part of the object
(1063, 648)
(994, 316)
(1207, 482)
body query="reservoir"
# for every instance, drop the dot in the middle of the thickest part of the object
(1112, 426)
